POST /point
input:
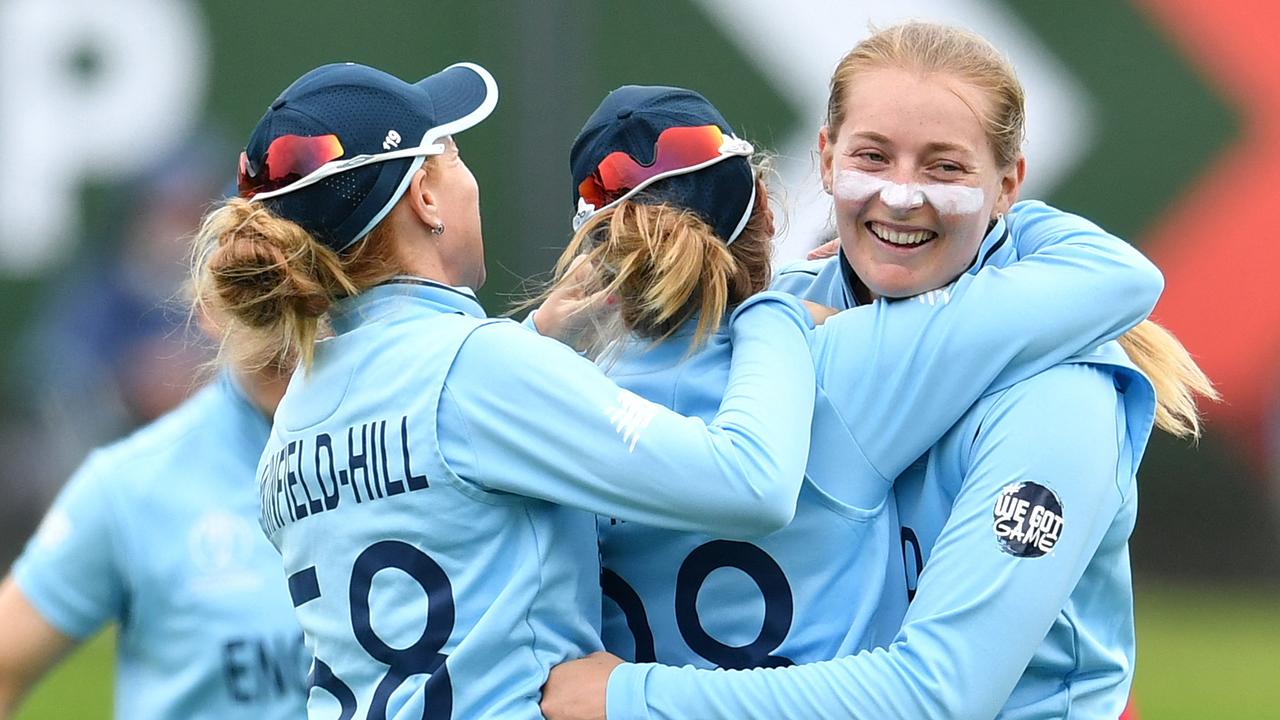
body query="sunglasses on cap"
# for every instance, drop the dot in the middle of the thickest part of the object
(293, 162)
(678, 150)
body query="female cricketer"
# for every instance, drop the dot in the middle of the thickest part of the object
(159, 532)
(431, 476)
(1022, 512)
(677, 252)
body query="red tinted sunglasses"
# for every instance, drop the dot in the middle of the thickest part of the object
(678, 150)
(288, 159)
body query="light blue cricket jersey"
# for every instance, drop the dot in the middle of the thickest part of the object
(819, 588)
(1036, 541)
(159, 532)
(431, 484)
(833, 582)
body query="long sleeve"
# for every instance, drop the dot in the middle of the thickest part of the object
(543, 422)
(1042, 487)
(903, 371)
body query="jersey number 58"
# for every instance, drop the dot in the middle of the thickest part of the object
(422, 657)
(779, 607)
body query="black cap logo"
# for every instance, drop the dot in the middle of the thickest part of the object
(1028, 519)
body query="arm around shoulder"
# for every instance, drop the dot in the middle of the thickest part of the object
(911, 367)
(981, 610)
(546, 423)
(1122, 271)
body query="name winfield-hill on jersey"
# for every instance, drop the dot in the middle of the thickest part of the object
(304, 478)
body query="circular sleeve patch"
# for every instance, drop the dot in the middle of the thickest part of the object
(1028, 519)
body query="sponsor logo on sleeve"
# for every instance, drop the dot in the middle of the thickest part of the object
(54, 530)
(630, 417)
(1028, 519)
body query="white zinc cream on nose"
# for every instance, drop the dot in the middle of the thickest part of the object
(947, 199)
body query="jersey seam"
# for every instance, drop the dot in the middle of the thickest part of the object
(533, 634)
(1121, 423)
(1067, 683)
(1120, 437)
(844, 509)
(466, 429)
(683, 367)
(824, 361)
(474, 490)
(121, 570)
(997, 397)
(114, 550)
(880, 474)
(848, 512)
(853, 436)
(345, 389)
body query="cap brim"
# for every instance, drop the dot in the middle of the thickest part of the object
(461, 95)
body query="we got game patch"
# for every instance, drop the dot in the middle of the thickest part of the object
(1028, 519)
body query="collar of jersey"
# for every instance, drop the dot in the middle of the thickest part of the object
(996, 249)
(687, 329)
(392, 295)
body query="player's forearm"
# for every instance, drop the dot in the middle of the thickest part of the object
(8, 703)
(29, 646)
(18, 676)
(15, 681)
(1080, 287)
(881, 684)
(992, 329)
(10, 694)
(1088, 285)
(737, 476)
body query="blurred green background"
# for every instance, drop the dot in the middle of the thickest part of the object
(1132, 120)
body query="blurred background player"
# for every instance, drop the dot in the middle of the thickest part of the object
(1023, 511)
(159, 533)
(112, 348)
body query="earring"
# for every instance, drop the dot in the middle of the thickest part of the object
(438, 229)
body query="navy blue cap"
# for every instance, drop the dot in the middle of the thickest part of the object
(372, 113)
(630, 119)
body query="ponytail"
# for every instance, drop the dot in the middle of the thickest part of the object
(267, 284)
(1175, 375)
(661, 266)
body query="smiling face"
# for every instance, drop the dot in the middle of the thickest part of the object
(915, 179)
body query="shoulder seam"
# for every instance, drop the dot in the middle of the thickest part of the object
(473, 488)
(982, 422)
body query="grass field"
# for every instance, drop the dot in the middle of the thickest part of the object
(1207, 656)
(1201, 656)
